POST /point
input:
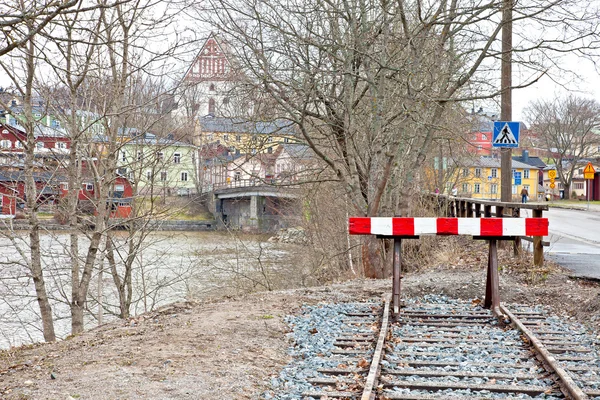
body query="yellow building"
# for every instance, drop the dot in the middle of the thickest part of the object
(243, 136)
(481, 179)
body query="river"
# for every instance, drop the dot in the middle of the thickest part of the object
(172, 266)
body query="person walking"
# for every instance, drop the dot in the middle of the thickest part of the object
(524, 194)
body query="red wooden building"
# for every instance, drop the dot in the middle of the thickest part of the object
(120, 200)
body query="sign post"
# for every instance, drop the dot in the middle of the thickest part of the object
(552, 176)
(588, 174)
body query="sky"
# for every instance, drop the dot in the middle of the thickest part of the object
(586, 85)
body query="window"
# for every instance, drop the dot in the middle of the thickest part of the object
(211, 87)
(38, 115)
(494, 188)
(465, 172)
(56, 123)
(270, 139)
(177, 158)
(526, 187)
(19, 144)
(270, 150)
(184, 176)
(65, 185)
(123, 156)
(477, 188)
(494, 172)
(140, 155)
(578, 185)
(525, 174)
(60, 145)
(149, 175)
(479, 147)
(286, 140)
(5, 144)
(163, 175)
(580, 171)
(514, 189)
(484, 137)
(211, 106)
(89, 187)
(477, 174)
(465, 188)
(119, 188)
(160, 155)
(5, 131)
(238, 138)
(225, 137)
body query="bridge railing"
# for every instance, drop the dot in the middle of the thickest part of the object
(242, 183)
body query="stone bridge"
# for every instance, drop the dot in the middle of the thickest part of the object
(256, 206)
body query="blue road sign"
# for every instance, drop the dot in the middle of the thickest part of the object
(506, 134)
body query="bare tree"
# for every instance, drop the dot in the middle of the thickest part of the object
(369, 84)
(568, 129)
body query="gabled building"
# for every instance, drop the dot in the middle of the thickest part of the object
(242, 136)
(158, 165)
(208, 85)
(480, 178)
(295, 163)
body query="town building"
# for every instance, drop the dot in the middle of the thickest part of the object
(480, 178)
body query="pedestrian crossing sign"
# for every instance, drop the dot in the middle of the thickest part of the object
(506, 134)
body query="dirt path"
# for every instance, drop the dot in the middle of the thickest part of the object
(230, 348)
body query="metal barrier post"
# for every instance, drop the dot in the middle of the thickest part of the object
(538, 248)
(396, 276)
(492, 289)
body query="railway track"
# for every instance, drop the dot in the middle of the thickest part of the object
(457, 350)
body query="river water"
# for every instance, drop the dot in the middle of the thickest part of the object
(172, 266)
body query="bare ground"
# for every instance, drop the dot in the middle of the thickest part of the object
(230, 348)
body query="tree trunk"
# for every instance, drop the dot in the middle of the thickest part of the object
(120, 285)
(31, 202)
(372, 257)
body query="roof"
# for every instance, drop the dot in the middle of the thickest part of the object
(239, 125)
(493, 162)
(19, 176)
(534, 161)
(298, 150)
(41, 130)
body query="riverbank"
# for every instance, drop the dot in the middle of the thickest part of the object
(155, 225)
(232, 347)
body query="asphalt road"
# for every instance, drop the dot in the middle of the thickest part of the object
(575, 240)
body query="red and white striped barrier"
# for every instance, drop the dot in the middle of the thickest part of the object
(448, 226)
